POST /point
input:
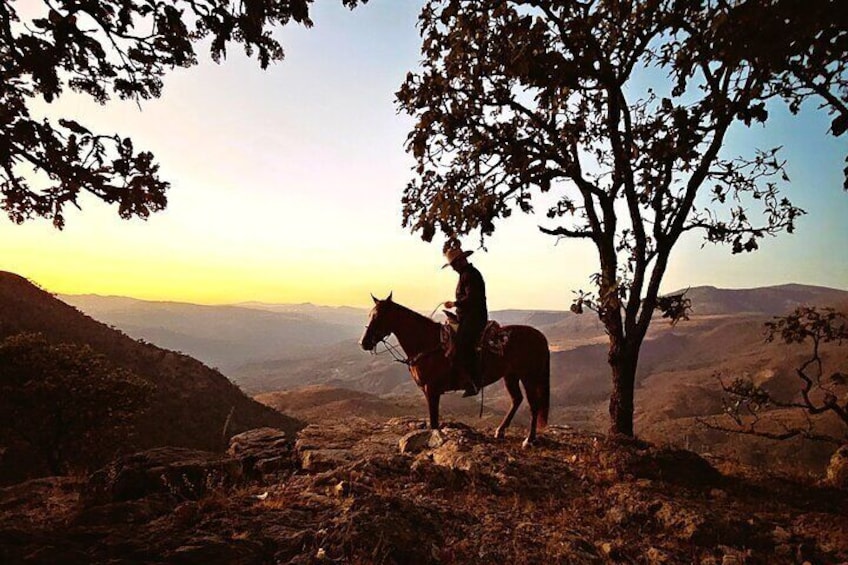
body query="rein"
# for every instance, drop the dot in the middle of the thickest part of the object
(392, 350)
(433, 313)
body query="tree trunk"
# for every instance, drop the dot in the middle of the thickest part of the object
(622, 360)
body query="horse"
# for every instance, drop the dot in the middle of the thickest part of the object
(525, 359)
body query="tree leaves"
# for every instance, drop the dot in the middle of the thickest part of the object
(74, 127)
(102, 49)
(518, 98)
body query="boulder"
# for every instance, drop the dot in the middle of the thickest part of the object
(416, 441)
(317, 460)
(452, 447)
(453, 455)
(264, 452)
(628, 457)
(184, 473)
(837, 469)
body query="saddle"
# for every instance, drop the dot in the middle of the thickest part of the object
(493, 340)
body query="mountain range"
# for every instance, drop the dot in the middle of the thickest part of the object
(224, 336)
(677, 382)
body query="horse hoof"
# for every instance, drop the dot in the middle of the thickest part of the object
(527, 443)
(499, 434)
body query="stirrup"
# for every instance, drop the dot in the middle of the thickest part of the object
(471, 390)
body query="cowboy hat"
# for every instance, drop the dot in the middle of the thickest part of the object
(453, 254)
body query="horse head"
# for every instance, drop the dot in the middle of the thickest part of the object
(378, 327)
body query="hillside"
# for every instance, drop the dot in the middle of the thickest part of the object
(191, 402)
(677, 380)
(578, 341)
(321, 403)
(337, 315)
(343, 365)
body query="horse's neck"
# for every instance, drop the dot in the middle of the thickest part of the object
(415, 334)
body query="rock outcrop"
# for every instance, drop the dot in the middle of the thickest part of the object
(265, 453)
(184, 473)
(452, 496)
(837, 470)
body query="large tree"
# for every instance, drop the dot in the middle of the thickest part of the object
(620, 111)
(101, 49)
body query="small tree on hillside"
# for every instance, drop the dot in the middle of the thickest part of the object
(67, 402)
(100, 49)
(619, 109)
(747, 404)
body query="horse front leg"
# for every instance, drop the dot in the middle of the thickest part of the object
(433, 397)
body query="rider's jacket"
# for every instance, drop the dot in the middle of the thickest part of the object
(471, 297)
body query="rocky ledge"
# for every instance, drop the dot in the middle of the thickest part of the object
(360, 492)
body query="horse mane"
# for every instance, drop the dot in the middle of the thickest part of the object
(414, 314)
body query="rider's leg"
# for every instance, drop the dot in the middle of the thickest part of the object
(467, 338)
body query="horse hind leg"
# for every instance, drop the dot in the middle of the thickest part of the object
(514, 391)
(531, 435)
(538, 396)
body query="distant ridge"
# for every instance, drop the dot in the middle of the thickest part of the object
(253, 333)
(191, 402)
(770, 300)
(223, 336)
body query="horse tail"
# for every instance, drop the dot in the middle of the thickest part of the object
(545, 392)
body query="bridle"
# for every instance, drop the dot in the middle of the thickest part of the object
(392, 350)
(397, 352)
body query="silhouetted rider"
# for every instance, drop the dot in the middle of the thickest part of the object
(471, 311)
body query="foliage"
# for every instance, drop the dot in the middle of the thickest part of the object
(67, 402)
(617, 112)
(101, 49)
(747, 403)
(800, 43)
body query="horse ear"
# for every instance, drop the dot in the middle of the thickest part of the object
(389, 299)
(374, 298)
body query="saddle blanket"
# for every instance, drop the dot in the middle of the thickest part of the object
(493, 340)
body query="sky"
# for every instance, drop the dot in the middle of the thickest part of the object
(286, 187)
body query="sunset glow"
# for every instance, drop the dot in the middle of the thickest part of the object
(286, 187)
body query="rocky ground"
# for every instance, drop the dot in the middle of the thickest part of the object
(364, 492)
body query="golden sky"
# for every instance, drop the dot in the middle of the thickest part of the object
(286, 187)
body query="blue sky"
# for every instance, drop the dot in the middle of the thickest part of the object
(286, 187)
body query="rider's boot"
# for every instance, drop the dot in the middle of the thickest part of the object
(473, 372)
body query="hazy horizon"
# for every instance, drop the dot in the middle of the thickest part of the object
(368, 304)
